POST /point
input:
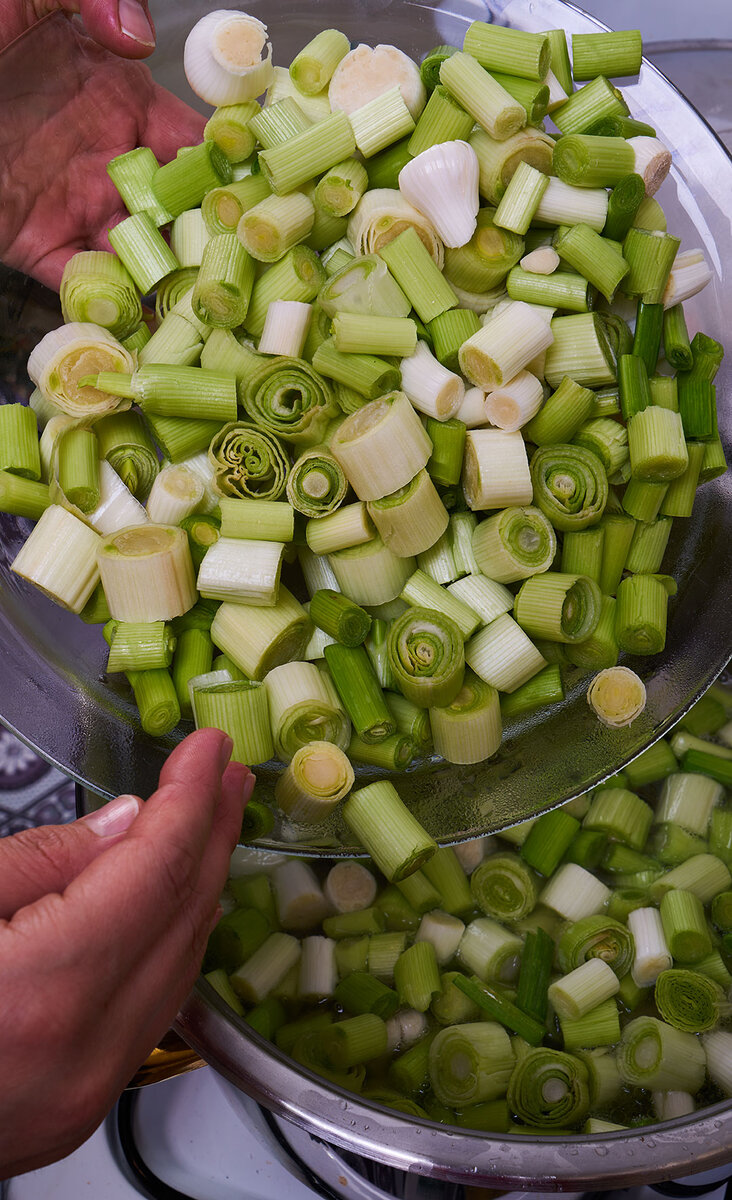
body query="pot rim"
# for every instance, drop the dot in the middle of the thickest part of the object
(603, 1161)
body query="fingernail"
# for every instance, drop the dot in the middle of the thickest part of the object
(115, 817)
(248, 787)
(225, 753)
(133, 22)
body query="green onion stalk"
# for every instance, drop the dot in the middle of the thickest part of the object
(303, 708)
(656, 1056)
(558, 607)
(364, 286)
(392, 836)
(514, 544)
(127, 446)
(468, 730)
(96, 288)
(310, 1052)
(470, 1063)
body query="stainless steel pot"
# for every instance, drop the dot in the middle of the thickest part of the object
(667, 1150)
(602, 1161)
(55, 694)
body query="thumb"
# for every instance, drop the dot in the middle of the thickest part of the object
(123, 26)
(39, 861)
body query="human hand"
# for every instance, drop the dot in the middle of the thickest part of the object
(103, 926)
(70, 105)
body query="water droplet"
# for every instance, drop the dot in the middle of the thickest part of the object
(601, 1151)
(343, 1104)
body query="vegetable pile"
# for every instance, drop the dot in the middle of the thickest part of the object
(571, 975)
(383, 366)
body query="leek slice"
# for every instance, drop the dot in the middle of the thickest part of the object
(427, 657)
(147, 573)
(68, 355)
(248, 462)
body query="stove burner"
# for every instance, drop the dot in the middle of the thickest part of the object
(146, 1181)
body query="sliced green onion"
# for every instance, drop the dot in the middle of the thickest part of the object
(640, 615)
(395, 840)
(259, 639)
(548, 839)
(427, 657)
(469, 729)
(549, 1089)
(656, 1056)
(557, 607)
(570, 485)
(470, 1063)
(248, 462)
(241, 709)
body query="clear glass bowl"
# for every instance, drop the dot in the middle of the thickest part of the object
(55, 695)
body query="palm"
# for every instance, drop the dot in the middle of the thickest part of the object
(69, 106)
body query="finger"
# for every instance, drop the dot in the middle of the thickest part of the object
(141, 1002)
(38, 861)
(123, 26)
(171, 123)
(164, 977)
(138, 1005)
(152, 873)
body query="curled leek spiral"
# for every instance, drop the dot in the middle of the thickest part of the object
(317, 483)
(570, 486)
(427, 657)
(286, 397)
(248, 462)
(688, 1001)
(549, 1088)
(596, 937)
(504, 887)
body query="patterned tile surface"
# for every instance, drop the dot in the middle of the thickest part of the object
(31, 792)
